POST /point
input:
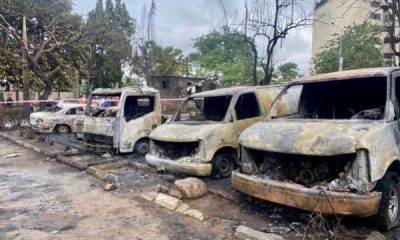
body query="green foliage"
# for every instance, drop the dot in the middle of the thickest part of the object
(226, 53)
(288, 71)
(153, 59)
(361, 48)
(47, 20)
(111, 47)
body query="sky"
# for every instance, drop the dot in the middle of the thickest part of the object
(178, 22)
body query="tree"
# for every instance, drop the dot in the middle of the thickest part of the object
(288, 71)
(107, 51)
(271, 21)
(361, 48)
(227, 53)
(51, 35)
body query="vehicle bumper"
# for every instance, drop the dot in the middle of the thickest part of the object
(193, 169)
(298, 196)
(42, 129)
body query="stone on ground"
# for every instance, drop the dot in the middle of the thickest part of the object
(167, 201)
(196, 214)
(246, 233)
(175, 193)
(191, 187)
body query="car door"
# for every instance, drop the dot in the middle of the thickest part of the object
(246, 111)
(137, 120)
(70, 116)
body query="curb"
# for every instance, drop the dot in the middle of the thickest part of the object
(28, 145)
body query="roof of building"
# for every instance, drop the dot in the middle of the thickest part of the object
(350, 74)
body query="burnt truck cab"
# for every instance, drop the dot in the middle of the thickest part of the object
(120, 120)
(200, 139)
(336, 153)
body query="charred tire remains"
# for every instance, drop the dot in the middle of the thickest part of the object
(388, 213)
(222, 165)
(62, 129)
(142, 147)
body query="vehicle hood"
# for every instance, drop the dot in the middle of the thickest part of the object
(307, 137)
(177, 132)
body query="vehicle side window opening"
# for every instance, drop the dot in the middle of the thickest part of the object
(71, 111)
(247, 107)
(347, 99)
(204, 109)
(288, 103)
(138, 106)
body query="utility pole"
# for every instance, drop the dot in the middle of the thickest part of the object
(25, 68)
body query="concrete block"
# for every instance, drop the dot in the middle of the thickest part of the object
(150, 196)
(167, 201)
(246, 233)
(196, 214)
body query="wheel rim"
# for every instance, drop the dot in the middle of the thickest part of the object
(63, 129)
(224, 165)
(393, 207)
(143, 148)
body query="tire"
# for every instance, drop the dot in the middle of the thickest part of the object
(388, 214)
(62, 129)
(222, 165)
(142, 147)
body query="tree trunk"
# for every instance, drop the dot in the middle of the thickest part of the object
(25, 68)
(255, 60)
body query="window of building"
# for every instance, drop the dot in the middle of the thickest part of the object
(376, 16)
(247, 106)
(165, 84)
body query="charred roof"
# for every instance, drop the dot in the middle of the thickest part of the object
(134, 90)
(350, 74)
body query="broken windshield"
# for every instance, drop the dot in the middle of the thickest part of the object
(103, 105)
(345, 99)
(203, 109)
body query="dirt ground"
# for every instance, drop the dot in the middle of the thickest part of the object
(44, 199)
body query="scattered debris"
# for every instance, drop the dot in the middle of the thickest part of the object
(109, 186)
(191, 187)
(277, 230)
(106, 155)
(246, 233)
(375, 236)
(11, 155)
(162, 188)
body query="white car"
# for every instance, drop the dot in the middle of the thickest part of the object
(59, 119)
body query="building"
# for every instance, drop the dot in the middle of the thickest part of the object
(332, 16)
(172, 89)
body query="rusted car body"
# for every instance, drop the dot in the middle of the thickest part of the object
(201, 137)
(337, 153)
(60, 118)
(120, 120)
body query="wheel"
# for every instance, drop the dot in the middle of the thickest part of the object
(142, 147)
(62, 129)
(222, 165)
(388, 213)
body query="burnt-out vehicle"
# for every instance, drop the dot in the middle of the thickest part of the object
(201, 137)
(336, 153)
(58, 118)
(120, 120)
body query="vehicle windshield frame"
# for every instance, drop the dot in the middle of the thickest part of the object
(227, 117)
(272, 115)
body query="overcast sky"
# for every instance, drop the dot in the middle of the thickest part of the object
(178, 22)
